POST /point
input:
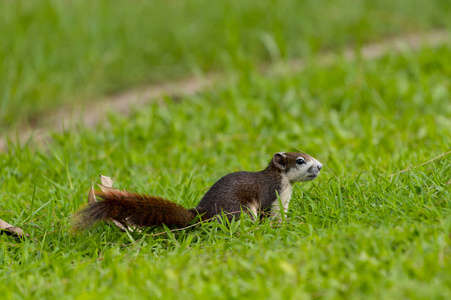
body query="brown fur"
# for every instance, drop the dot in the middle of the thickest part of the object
(134, 209)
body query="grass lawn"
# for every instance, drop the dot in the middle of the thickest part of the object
(366, 230)
(61, 52)
(362, 234)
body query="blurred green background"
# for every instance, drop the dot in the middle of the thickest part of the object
(60, 52)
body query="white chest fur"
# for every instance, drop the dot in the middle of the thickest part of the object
(285, 195)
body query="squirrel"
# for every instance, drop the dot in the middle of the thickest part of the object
(252, 192)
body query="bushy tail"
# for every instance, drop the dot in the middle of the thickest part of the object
(133, 209)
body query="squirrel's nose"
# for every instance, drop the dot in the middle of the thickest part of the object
(319, 167)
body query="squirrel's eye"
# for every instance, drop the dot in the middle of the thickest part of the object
(300, 161)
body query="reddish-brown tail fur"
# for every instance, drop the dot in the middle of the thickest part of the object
(133, 209)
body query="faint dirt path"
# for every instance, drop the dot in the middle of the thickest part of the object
(92, 114)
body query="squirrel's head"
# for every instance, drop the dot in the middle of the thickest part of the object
(297, 166)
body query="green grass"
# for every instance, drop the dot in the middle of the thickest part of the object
(369, 235)
(60, 52)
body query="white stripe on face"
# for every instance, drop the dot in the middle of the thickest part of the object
(304, 172)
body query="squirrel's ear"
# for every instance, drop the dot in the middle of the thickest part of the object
(280, 160)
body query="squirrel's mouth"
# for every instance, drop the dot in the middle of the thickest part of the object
(309, 177)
